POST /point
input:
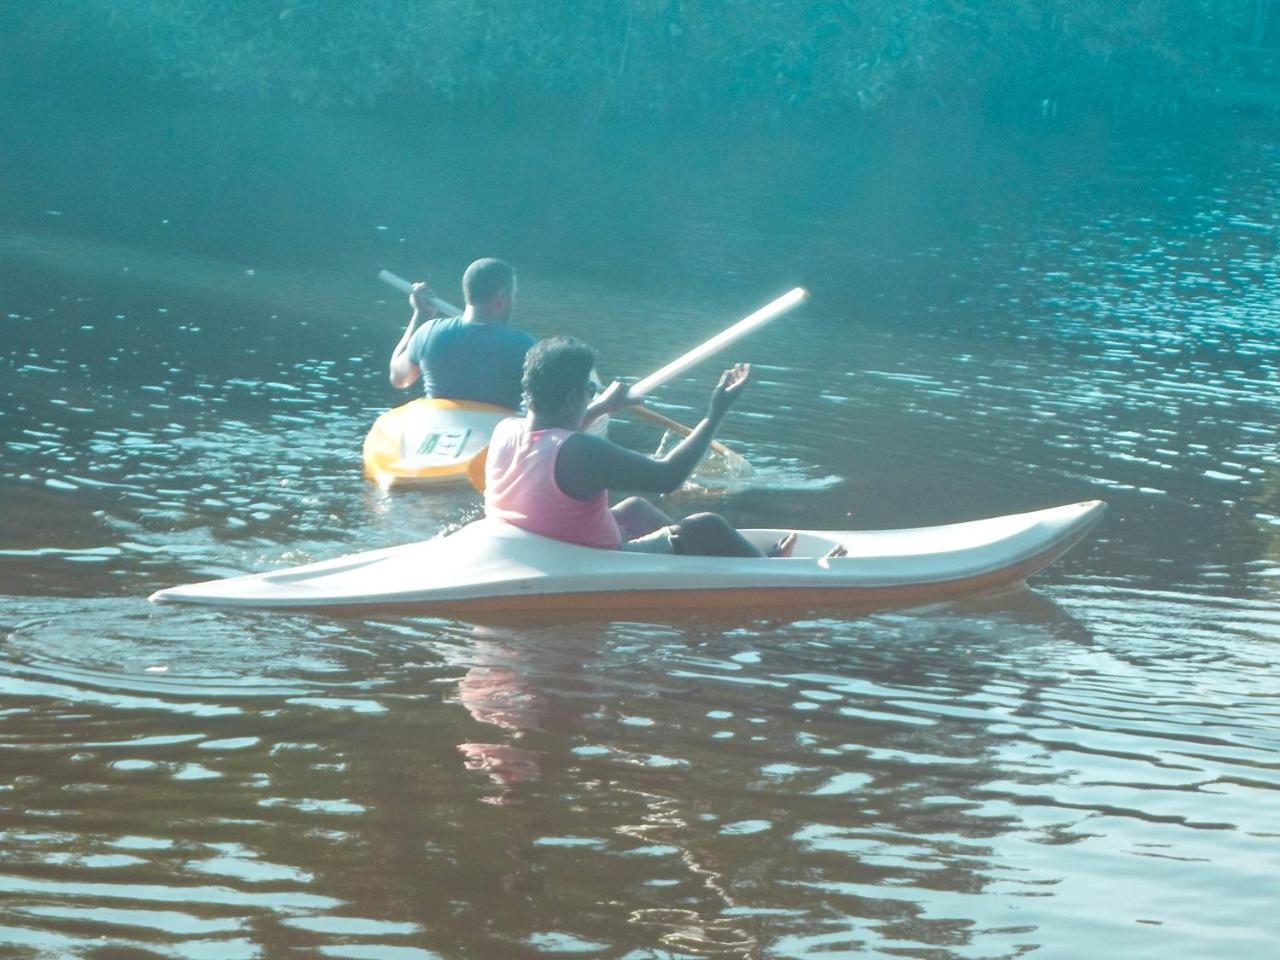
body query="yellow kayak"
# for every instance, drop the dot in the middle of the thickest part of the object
(428, 441)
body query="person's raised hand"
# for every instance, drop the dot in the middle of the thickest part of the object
(420, 299)
(732, 382)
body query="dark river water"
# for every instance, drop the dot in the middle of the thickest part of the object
(194, 344)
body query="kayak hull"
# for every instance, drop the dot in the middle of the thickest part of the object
(489, 566)
(428, 442)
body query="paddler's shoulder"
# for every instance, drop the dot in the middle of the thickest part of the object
(581, 450)
(434, 326)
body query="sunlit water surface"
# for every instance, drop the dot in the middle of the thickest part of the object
(194, 345)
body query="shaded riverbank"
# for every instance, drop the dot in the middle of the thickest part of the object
(642, 59)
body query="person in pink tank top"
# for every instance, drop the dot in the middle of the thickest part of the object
(547, 476)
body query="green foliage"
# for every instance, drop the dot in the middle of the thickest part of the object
(629, 57)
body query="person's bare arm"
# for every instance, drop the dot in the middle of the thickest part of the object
(588, 464)
(403, 371)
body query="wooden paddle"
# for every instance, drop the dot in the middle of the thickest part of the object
(732, 333)
(770, 311)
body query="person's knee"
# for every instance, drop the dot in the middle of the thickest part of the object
(637, 516)
(710, 528)
(713, 535)
(707, 521)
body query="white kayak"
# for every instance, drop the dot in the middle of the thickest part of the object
(428, 442)
(489, 565)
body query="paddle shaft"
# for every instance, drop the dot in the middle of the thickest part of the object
(721, 340)
(654, 417)
(444, 307)
(769, 311)
(475, 471)
(724, 338)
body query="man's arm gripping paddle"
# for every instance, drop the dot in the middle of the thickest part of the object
(443, 307)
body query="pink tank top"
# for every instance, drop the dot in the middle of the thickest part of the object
(520, 487)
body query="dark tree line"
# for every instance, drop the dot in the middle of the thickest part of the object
(660, 57)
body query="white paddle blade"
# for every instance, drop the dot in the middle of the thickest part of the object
(443, 307)
(721, 340)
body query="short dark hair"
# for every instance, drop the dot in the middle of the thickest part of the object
(553, 369)
(485, 278)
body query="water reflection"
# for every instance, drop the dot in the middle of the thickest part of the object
(507, 686)
(807, 802)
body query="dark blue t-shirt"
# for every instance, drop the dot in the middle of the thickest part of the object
(463, 360)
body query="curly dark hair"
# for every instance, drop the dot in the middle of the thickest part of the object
(553, 369)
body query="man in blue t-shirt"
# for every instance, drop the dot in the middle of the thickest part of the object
(475, 356)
